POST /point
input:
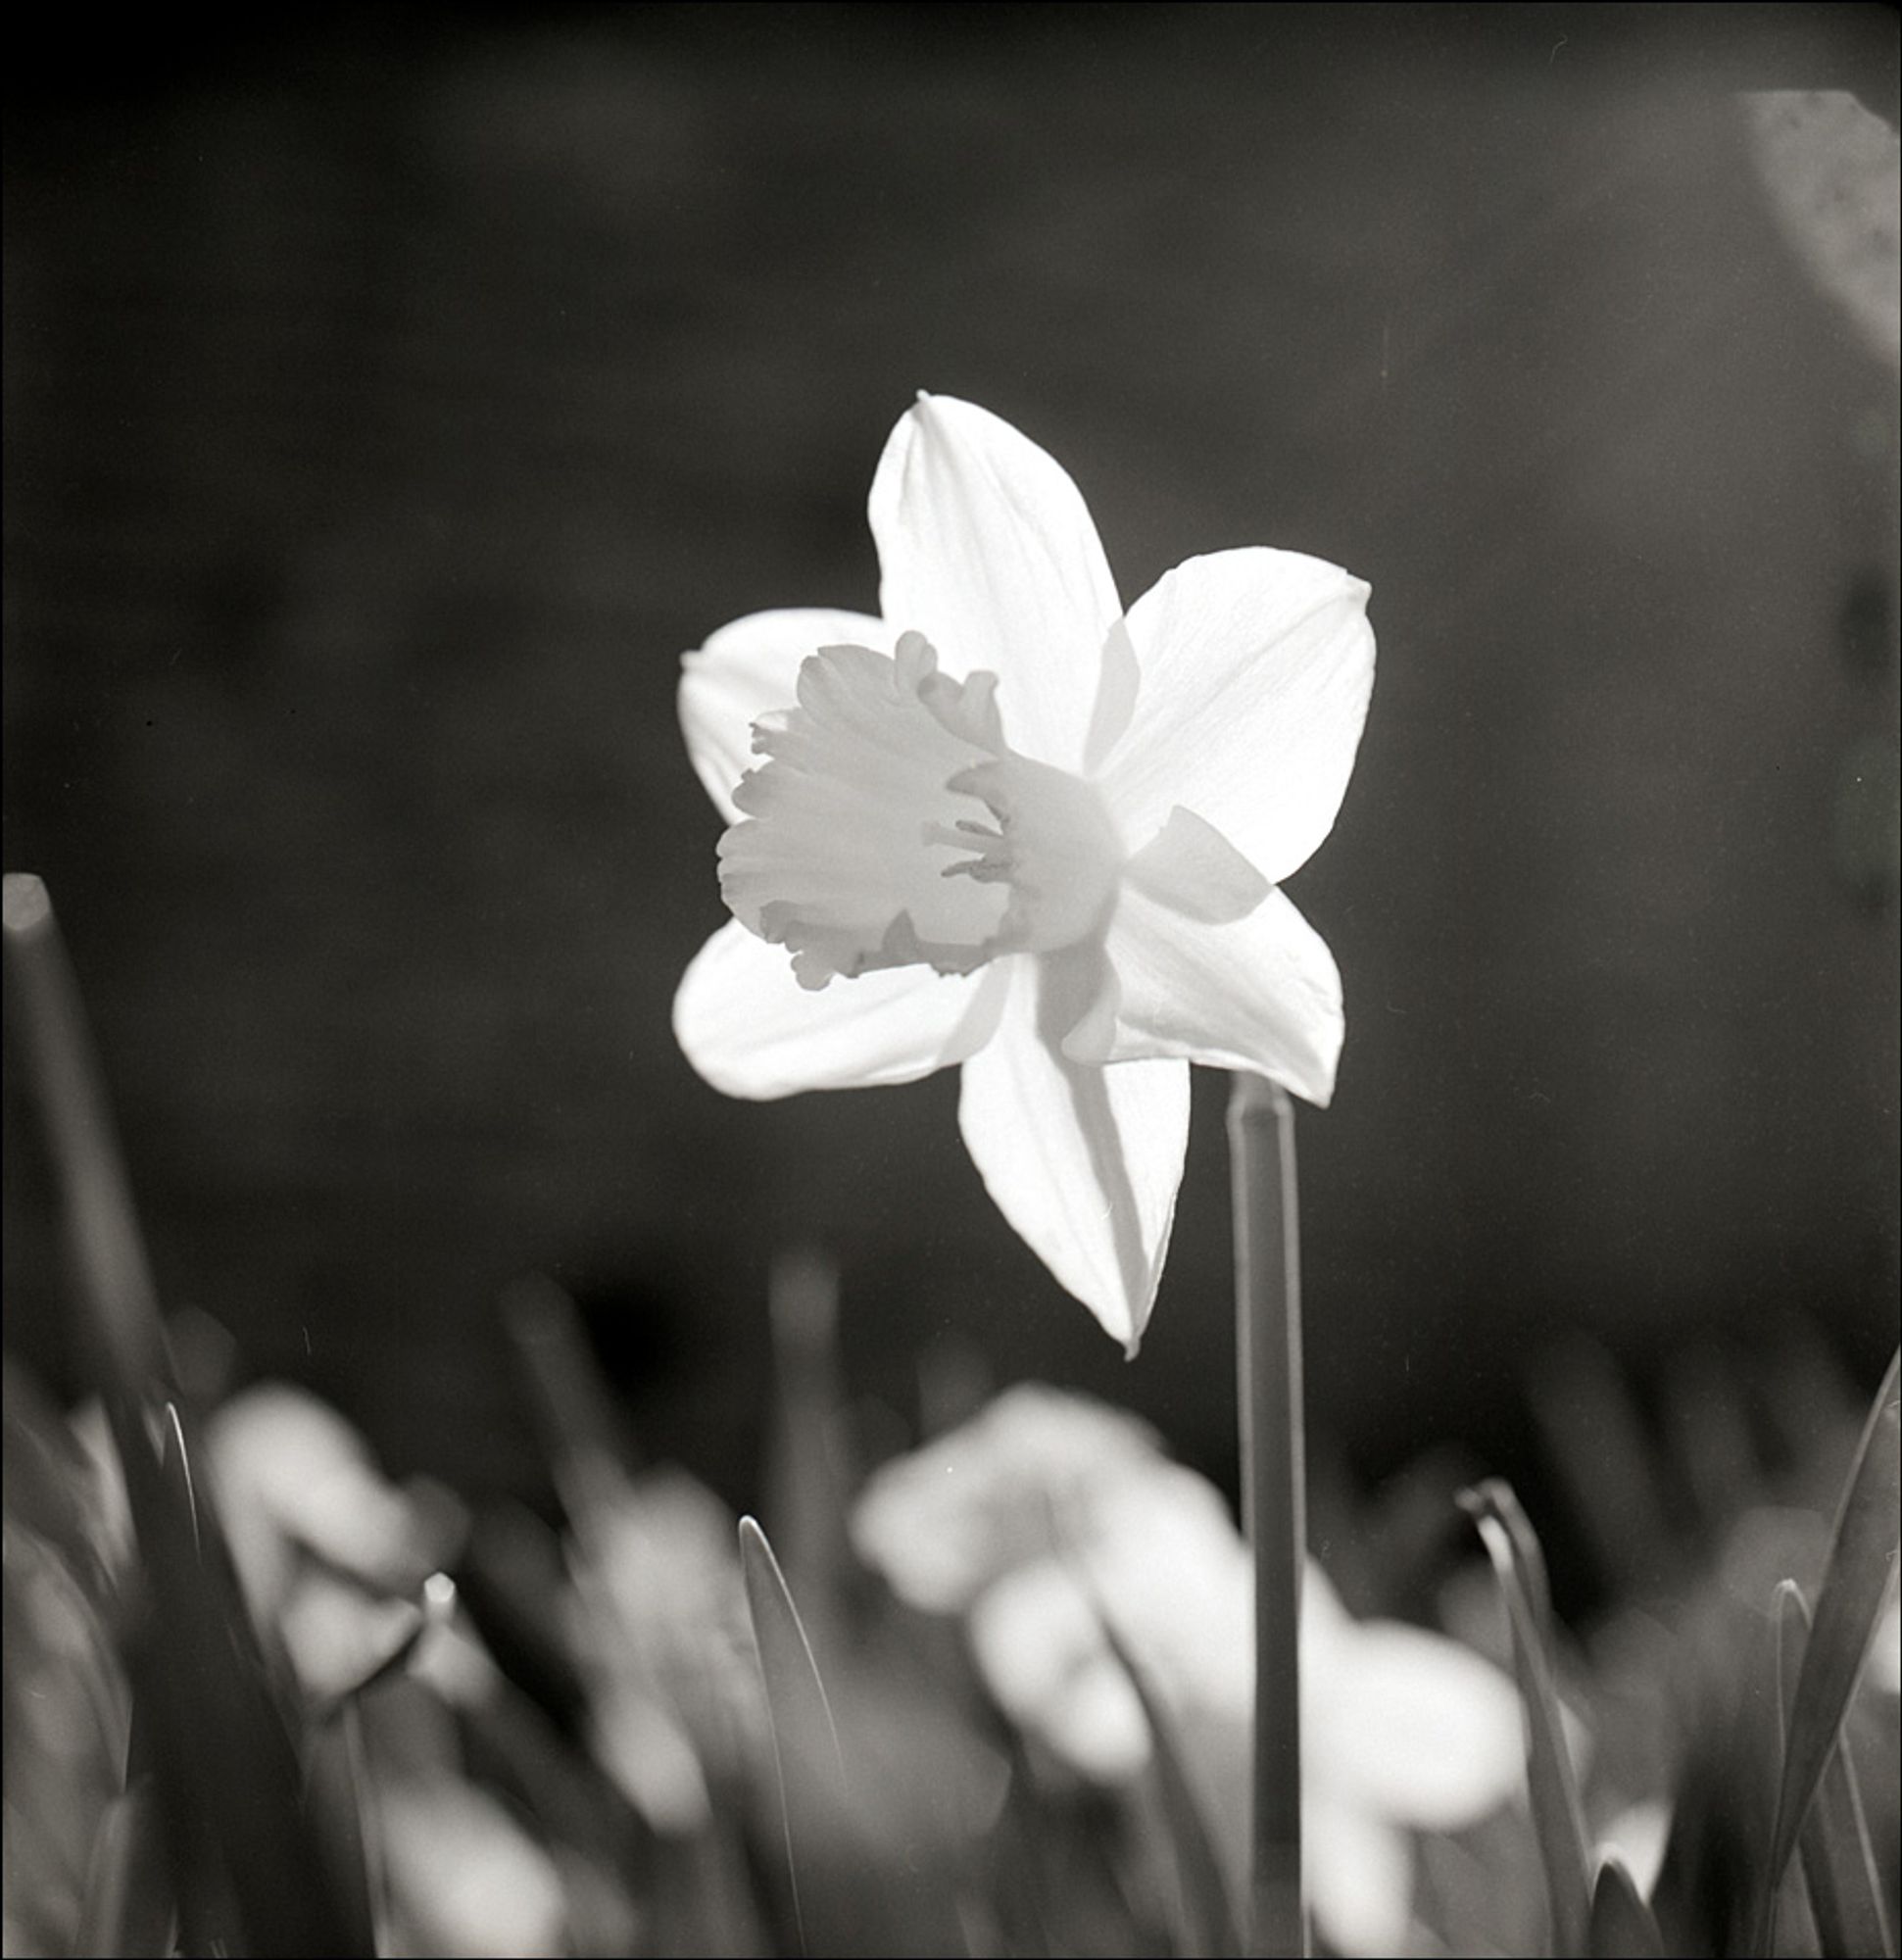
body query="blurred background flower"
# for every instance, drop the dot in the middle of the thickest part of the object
(1048, 1514)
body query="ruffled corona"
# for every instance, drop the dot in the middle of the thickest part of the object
(890, 825)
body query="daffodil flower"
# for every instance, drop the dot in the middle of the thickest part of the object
(1047, 1513)
(1011, 826)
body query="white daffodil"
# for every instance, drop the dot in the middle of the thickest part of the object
(1048, 1514)
(1008, 824)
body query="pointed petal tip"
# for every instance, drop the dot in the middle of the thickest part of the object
(1259, 996)
(1317, 1094)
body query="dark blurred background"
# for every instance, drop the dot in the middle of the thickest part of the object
(391, 396)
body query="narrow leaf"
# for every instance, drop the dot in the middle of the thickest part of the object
(589, 1443)
(1837, 1860)
(1208, 1913)
(121, 1331)
(223, 1750)
(809, 1471)
(227, 1768)
(128, 1912)
(1622, 1926)
(1848, 1607)
(805, 1743)
(1558, 1818)
(50, 1481)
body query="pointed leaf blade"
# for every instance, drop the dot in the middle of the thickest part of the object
(1837, 1860)
(1621, 1925)
(1558, 1818)
(1848, 1605)
(1208, 1913)
(810, 1767)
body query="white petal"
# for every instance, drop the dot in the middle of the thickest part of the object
(1083, 1161)
(1190, 867)
(1359, 1878)
(987, 548)
(1417, 1729)
(1030, 1472)
(1257, 668)
(750, 1029)
(1261, 993)
(1041, 1649)
(747, 669)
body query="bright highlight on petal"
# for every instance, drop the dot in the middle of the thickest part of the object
(1038, 838)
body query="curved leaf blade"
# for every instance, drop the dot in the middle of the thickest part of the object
(806, 1756)
(1558, 1818)
(1848, 1605)
(1621, 1925)
(1208, 1912)
(1837, 1859)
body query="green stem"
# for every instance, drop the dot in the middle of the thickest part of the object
(1274, 1495)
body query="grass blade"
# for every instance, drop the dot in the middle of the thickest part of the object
(810, 1767)
(1838, 1862)
(1848, 1605)
(1622, 1926)
(589, 1444)
(809, 1458)
(120, 1327)
(227, 1773)
(1558, 1818)
(1209, 1924)
(223, 1750)
(128, 1911)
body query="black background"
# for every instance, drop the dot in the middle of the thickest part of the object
(390, 398)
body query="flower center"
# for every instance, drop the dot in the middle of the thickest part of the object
(891, 825)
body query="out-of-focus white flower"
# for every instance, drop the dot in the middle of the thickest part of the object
(1033, 834)
(1401, 1730)
(659, 1619)
(1886, 1652)
(331, 1554)
(1021, 1479)
(1833, 168)
(1638, 1834)
(1048, 1513)
(465, 1878)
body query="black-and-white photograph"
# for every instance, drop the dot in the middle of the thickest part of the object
(951, 981)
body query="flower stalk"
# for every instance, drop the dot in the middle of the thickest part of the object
(1274, 1494)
